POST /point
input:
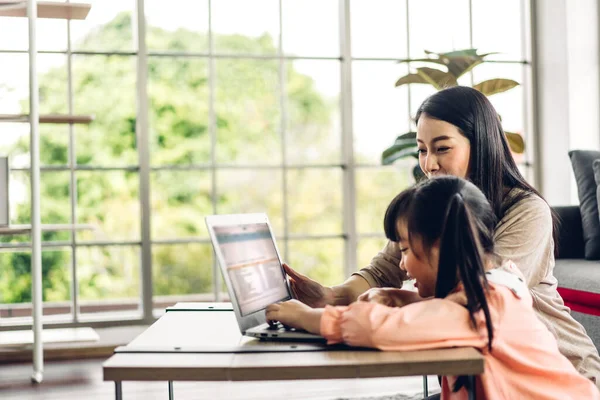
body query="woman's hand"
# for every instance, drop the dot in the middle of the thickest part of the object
(309, 291)
(390, 297)
(296, 315)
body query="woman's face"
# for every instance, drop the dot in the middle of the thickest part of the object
(419, 266)
(443, 150)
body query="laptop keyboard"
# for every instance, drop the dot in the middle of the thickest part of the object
(278, 326)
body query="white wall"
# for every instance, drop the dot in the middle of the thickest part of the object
(566, 67)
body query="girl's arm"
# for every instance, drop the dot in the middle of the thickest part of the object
(295, 314)
(429, 324)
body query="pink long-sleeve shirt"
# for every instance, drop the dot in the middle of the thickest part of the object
(523, 235)
(524, 363)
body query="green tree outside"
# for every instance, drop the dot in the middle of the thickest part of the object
(248, 119)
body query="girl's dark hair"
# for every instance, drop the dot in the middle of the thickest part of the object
(492, 167)
(455, 212)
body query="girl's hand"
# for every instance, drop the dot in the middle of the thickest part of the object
(390, 297)
(296, 314)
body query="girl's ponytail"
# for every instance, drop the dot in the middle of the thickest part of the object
(462, 257)
(455, 214)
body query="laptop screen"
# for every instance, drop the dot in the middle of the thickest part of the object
(253, 266)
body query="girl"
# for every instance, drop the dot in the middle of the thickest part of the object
(445, 231)
(459, 133)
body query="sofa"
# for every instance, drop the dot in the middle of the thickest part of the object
(578, 278)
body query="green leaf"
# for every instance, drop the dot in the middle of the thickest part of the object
(494, 86)
(458, 66)
(456, 53)
(431, 60)
(484, 55)
(458, 62)
(394, 153)
(418, 173)
(461, 61)
(404, 146)
(515, 142)
(408, 135)
(406, 139)
(431, 76)
(410, 78)
(404, 142)
(438, 79)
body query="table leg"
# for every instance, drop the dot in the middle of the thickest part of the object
(171, 396)
(425, 387)
(472, 388)
(118, 391)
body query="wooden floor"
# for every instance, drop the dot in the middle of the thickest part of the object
(82, 380)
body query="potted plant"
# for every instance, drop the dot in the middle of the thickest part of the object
(450, 67)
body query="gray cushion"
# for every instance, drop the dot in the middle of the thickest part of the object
(578, 274)
(582, 163)
(570, 232)
(596, 169)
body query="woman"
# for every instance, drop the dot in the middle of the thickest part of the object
(459, 133)
(444, 229)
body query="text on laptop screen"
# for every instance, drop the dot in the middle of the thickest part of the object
(252, 265)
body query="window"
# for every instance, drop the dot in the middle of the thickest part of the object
(246, 108)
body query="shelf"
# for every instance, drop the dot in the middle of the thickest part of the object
(25, 229)
(65, 335)
(45, 9)
(49, 118)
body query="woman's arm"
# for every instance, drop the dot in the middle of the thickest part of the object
(524, 235)
(383, 271)
(349, 291)
(390, 297)
(315, 295)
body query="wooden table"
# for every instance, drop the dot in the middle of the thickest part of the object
(192, 343)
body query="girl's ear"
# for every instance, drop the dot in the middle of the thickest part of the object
(434, 255)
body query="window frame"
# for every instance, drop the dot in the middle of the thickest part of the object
(146, 313)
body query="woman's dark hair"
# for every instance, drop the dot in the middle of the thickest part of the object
(492, 167)
(455, 212)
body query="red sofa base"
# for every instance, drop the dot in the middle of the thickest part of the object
(580, 301)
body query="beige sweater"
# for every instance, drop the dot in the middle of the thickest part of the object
(524, 235)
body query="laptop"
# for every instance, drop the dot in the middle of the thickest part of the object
(245, 248)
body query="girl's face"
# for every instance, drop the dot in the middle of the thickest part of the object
(420, 266)
(443, 150)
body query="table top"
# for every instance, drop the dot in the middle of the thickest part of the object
(174, 348)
